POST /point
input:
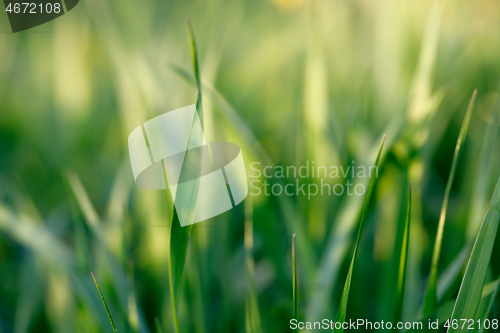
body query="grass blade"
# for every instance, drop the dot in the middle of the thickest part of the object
(490, 292)
(330, 263)
(105, 305)
(185, 199)
(403, 264)
(196, 69)
(294, 220)
(252, 315)
(98, 231)
(341, 314)
(481, 190)
(471, 289)
(431, 293)
(34, 236)
(479, 203)
(444, 311)
(295, 299)
(422, 102)
(158, 326)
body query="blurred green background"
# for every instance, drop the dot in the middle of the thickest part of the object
(289, 81)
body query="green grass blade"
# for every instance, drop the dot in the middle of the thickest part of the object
(177, 255)
(158, 325)
(98, 231)
(37, 238)
(294, 266)
(486, 305)
(185, 199)
(105, 305)
(481, 190)
(479, 203)
(431, 293)
(456, 267)
(491, 291)
(444, 311)
(196, 69)
(29, 297)
(252, 314)
(474, 279)
(293, 219)
(422, 102)
(403, 263)
(330, 263)
(342, 311)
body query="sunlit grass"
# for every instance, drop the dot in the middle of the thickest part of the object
(289, 82)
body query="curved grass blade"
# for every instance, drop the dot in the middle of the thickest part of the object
(105, 305)
(295, 299)
(444, 311)
(431, 293)
(479, 203)
(186, 195)
(403, 264)
(471, 289)
(341, 314)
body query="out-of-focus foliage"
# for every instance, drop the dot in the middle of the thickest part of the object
(289, 82)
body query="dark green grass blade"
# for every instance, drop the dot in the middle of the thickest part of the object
(403, 264)
(475, 275)
(342, 311)
(179, 238)
(294, 265)
(105, 305)
(185, 199)
(430, 304)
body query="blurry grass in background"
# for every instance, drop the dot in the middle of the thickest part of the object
(288, 81)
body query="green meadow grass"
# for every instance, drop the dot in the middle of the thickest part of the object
(290, 82)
